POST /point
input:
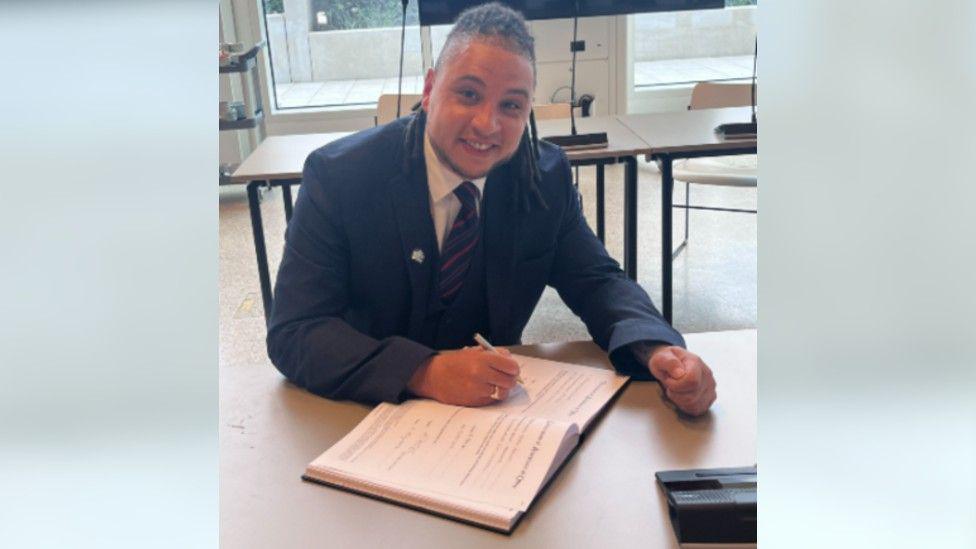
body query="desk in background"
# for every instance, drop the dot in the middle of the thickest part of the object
(276, 162)
(622, 146)
(676, 135)
(605, 496)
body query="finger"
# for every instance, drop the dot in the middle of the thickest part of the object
(706, 381)
(501, 379)
(504, 364)
(497, 393)
(688, 404)
(694, 405)
(503, 351)
(666, 364)
(691, 382)
(702, 404)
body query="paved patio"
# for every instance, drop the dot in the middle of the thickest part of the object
(647, 74)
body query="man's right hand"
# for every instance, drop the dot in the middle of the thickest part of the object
(467, 377)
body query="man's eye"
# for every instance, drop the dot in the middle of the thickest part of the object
(468, 95)
(512, 106)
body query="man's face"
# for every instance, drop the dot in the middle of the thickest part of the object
(477, 106)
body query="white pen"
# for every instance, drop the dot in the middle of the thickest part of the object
(491, 349)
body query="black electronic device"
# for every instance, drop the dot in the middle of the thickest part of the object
(744, 130)
(444, 12)
(737, 130)
(579, 141)
(711, 505)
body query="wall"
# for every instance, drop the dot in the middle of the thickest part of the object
(683, 35)
(363, 53)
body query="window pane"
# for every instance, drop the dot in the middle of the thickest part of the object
(438, 36)
(328, 53)
(694, 46)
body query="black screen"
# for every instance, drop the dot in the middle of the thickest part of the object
(443, 12)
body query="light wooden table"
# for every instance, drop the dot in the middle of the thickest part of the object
(675, 135)
(276, 162)
(605, 496)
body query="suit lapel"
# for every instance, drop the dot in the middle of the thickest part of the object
(500, 233)
(412, 206)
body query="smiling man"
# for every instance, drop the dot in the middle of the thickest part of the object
(409, 238)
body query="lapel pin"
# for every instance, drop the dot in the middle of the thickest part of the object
(417, 256)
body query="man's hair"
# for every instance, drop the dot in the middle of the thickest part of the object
(504, 27)
(493, 23)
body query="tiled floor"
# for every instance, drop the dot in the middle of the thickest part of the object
(646, 74)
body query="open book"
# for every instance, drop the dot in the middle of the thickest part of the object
(479, 465)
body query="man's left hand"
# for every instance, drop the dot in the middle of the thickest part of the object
(686, 379)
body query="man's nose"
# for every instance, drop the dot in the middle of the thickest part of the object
(485, 121)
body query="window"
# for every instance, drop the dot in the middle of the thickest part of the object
(676, 48)
(340, 53)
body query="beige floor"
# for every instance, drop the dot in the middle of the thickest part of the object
(714, 278)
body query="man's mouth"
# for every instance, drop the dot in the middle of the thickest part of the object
(477, 145)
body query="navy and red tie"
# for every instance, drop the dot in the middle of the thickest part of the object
(460, 242)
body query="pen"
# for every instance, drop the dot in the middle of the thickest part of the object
(491, 349)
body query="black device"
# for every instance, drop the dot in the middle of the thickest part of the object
(444, 12)
(743, 130)
(711, 505)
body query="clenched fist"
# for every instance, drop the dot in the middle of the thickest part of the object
(687, 381)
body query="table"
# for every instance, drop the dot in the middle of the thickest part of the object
(276, 162)
(676, 135)
(623, 145)
(605, 496)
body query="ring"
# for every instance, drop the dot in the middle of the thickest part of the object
(496, 393)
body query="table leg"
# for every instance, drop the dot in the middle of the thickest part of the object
(630, 216)
(286, 198)
(600, 227)
(257, 227)
(667, 204)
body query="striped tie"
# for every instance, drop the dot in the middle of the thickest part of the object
(460, 242)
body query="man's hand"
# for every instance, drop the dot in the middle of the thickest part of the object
(467, 377)
(686, 379)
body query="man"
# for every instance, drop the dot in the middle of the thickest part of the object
(411, 237)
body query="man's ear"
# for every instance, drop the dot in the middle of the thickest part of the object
(428, 87)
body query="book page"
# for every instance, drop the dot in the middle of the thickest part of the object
(475, 454)
(560, 391)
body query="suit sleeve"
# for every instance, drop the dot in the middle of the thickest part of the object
(308, 339)
(616, 310)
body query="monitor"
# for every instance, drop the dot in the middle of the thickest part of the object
(444, 12)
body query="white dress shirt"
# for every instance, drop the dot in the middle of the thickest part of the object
(441, 182)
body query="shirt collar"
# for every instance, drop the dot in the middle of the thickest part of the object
(441, 180)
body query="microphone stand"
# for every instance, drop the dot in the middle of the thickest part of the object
(577, 140)
(403, 34)
(744, 130)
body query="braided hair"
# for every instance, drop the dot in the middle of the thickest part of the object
(504, 27)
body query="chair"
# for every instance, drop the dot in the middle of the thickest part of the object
(728, 171)
(386, 106)
(549, 111)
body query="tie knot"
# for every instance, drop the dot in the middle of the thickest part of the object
(468, 193)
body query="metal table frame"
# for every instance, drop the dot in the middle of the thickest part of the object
(665, 162)
(630, 217)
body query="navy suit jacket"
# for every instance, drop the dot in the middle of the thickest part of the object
(350, 298)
